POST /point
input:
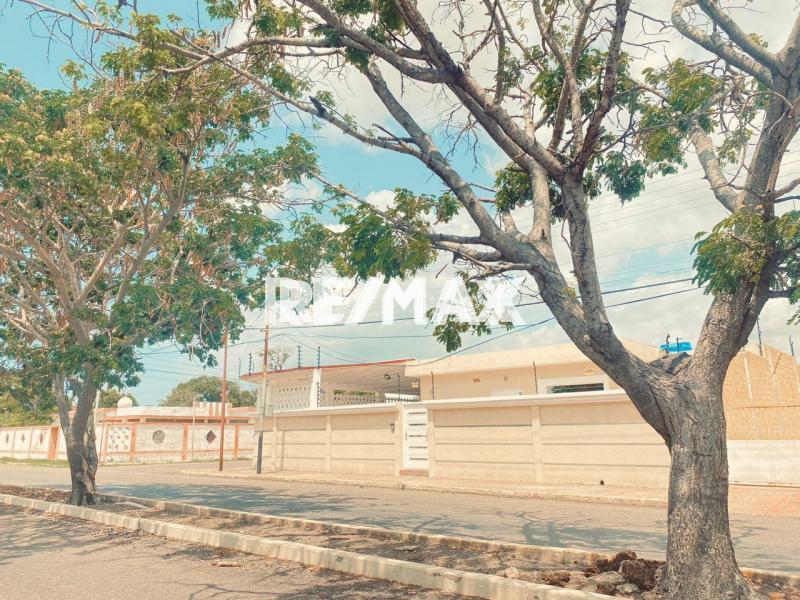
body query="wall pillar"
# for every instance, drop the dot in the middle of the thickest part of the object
(132, 450)
(536, 441)
(431, 443)
(398, 439)
(274, 456)
(185, 442)
(52, 450)
(104, 444)
(328, 443)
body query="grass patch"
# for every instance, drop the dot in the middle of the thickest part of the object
(33, 462)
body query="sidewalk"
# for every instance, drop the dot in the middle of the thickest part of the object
(744, 499)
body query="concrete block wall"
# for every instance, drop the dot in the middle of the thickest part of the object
(133, 442)
(762, 396)
(25, 443)
(333, 440)
(172, 441)
(536, 442)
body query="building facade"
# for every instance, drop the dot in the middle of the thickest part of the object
(539, 415)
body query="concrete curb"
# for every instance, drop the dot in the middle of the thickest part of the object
(423, 487)
(549, 554)
(448, 580)
(563, 556)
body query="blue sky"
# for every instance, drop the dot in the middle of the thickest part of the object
(645, 242)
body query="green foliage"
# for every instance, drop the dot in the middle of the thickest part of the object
(208, 389)
(514, 190)
(110, 397)
(222, 9)
(664, 126)
(26, 396)
(449, 331)
(92, 173)
(740, 246)
(392, 243)
(625, 178)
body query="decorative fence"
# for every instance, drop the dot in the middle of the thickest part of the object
(134, 442)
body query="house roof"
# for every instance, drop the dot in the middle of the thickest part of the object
(388, 376)
(558, 354)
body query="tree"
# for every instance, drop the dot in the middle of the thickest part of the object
(110, 397)
(131, 215)
(208, 389)
(26, 397)
(572, 116)
(277, 358)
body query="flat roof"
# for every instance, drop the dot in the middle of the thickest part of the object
(387, 376)
(556, 354)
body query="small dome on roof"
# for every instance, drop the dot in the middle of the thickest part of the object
(125, 402)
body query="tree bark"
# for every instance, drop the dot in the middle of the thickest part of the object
(79, 438)
(82, 457)
(701, 563)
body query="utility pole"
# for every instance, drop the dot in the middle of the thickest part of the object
(299, 357)
(264, 394)
(791, 345)
(760, 342)
(224, 398)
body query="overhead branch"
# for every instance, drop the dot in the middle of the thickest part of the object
(747, 44)
(720, 185)
(718, 46)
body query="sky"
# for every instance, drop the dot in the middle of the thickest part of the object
(645, 242)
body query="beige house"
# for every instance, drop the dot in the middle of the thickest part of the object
(541, 415)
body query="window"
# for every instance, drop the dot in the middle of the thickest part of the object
(575, 387)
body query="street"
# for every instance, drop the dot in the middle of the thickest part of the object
(761, 542)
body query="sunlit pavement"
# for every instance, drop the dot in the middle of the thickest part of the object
(764, 542)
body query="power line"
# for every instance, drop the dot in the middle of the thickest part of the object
(538, 302)
(532, 325)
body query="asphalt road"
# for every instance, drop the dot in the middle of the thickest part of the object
(761, 542)
(53, 558)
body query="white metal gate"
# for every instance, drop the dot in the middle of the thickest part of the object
(415, 436)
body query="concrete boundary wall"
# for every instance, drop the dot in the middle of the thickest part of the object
(146, 442)
(569, 438)
(35, 442)
(594, 438)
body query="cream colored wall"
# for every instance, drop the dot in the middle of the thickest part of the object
(568, 443)
(477, 384)
(330, 441)
(762, 396)
(529, 439)
(608, 442)
(492, 443)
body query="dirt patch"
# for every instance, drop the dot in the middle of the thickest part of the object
(624, 575)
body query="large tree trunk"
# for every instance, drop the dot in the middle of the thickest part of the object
(82, 457)
(701, 564)
(79, 438)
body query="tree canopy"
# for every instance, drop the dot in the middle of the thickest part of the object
(208, 389)
(133, 210)
(110, 397)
